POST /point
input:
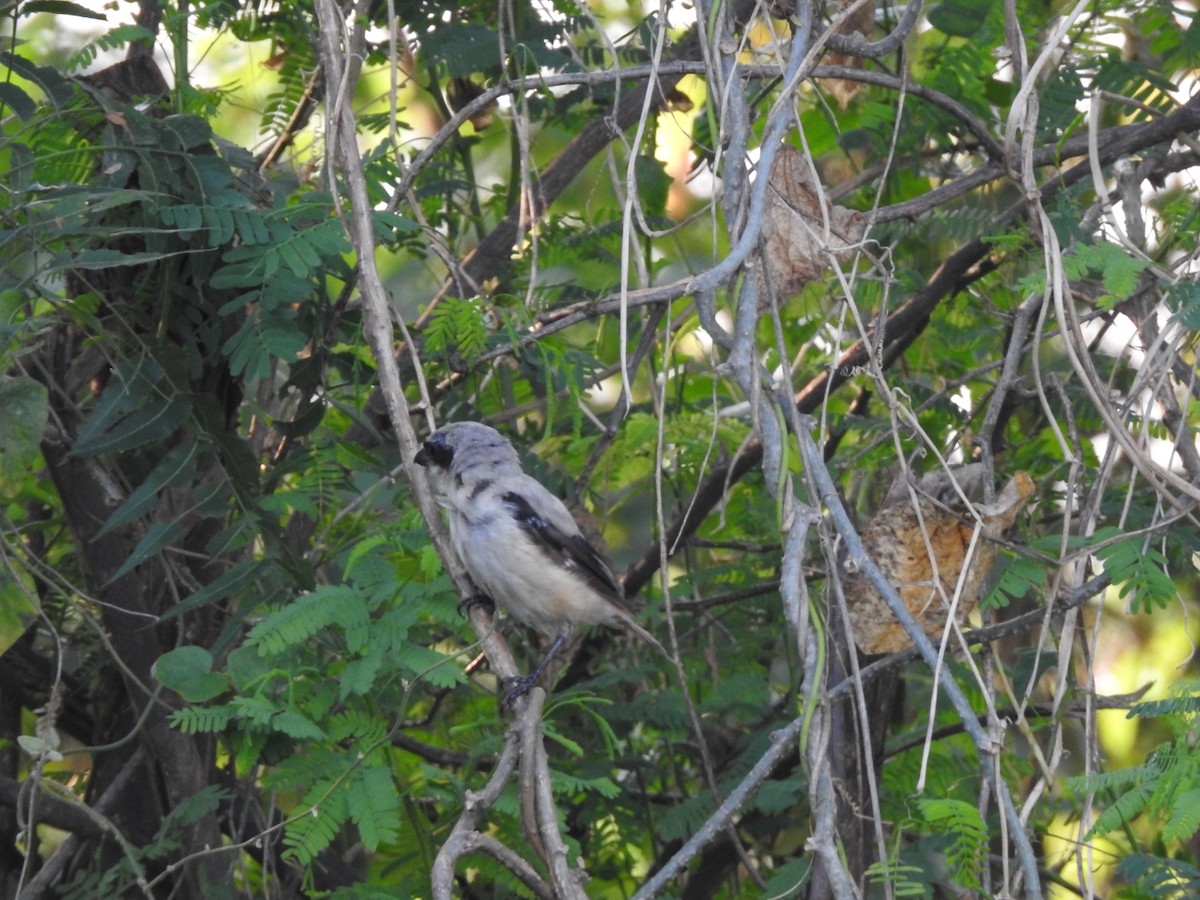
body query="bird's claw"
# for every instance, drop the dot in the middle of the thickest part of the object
(518, 687)
(483, 600)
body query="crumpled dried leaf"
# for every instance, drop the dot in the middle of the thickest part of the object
(796, 247)
(861, 21)
(899, 541)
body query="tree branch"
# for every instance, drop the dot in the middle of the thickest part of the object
(964, 267)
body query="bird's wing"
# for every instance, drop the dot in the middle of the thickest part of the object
(553, 529)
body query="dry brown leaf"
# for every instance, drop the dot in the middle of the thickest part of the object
(896, 539)
(862, 22)
(797, 249)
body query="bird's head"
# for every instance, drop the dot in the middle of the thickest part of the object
(461, 446)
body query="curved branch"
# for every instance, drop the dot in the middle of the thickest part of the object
(964, 267)
(537, 795)
(857, 45)
(1115, 142)
(983, 745)
(995, 150)
(784, 740)
(594, 137)
(465, 836)
(677, 69)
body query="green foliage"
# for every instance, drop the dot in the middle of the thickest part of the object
(137, 407)
(171, 832)
(24, 407)
(959, 18)
(364, 795)
(300, 620)
(188, 671)
(130, 867)
(114, 39)
(203, 505)
(457, 325)
(902, 880)
(1153, 876)
(1015, 577)
(961, 823)
(1137, 567)
(1164, 791)
(1118, 271)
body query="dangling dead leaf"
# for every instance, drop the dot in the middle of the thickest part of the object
(862, 22)
(798, 241)
(899, 539)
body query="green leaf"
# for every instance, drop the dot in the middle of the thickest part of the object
(203, 803)
(1018, 575)
(324, 811)
(17, 100)
(788, 879)
(137, 406)
(389, 224)
(962, 823)
(566, 783)
(192, 132)
(684, 818)
(116, 38)
(304, 617)
(202, 719)
(1157, 876)
(103, 258)
(440, 671)
(1135, 568)
(177, 467)
(184, 216)
(24, 406)
(776, 796)
(61, 8)
(41, 747)
(262, 339)
(247, 668)
(58, 89)
(257, 709)
(295, 724)
(188, 671)
(959, 18)
(18, 608)
(1118, 270)
(359, 675)
(221, 587)
(904, 880)
(461, 50)
(250, 226)
(1127, 807)
(1184, 298)
(653, 183)
(459, 325)
(157, 536)
(157, 420)
(374, 805)
(1185, 816)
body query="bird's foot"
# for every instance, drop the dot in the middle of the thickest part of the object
(518, 687)
(483, 600)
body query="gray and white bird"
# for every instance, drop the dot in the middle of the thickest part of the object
(519, 543)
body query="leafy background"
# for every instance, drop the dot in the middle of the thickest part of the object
(252, 252)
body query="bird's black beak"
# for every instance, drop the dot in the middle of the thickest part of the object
(435, 451)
